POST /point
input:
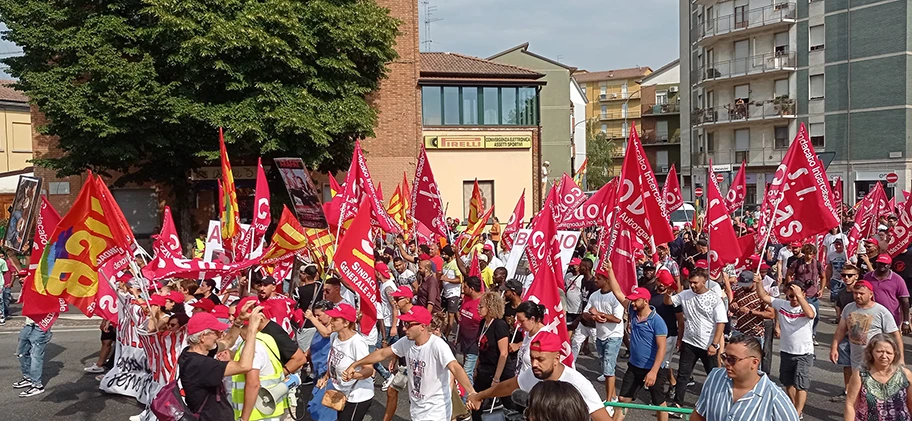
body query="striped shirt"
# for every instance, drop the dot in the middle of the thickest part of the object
(765, 402)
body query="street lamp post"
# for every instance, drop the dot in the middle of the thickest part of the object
(628, 110)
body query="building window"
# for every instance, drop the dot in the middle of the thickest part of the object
(816, 86)
(624, 129)
(817, 133)
(782, 43)
(742, 145)
(750, 195)
(470, 106)
(58, 187)
(624, 90)
(662, 130)
(816, 37)
(740, 14)
(710, 18)
(603, 88)
(431, 106)
(624, 110)
(491, 106)
(508, 106)
(661, 97)
(781, 134)
(781, 88)
(604, 128)
(451, 105)
(604, 111)
(662, 161)
(710, 142)
(528, 107)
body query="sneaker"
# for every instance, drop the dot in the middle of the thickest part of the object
(816, 343)
(691, 382)
(94, 368)
(601, 378)
(135, 417)
(2, 322)
(387, 383)
(23, 383)
(309, 380)
(32, 391)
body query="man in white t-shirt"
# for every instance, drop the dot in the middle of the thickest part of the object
(431, 367)
(545, 353)
(608, 314)
(784, 254)
(831, 237)
(705, 316)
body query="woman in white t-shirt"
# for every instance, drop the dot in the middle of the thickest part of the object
(347, 347)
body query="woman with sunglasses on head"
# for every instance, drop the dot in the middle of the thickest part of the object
(739, 390)
(347, 347)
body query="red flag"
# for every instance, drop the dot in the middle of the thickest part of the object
(289, 239)
(723, 243)
(623, 260)
(167, 244)
(837, 192)
(355, 262)
(737, 191)
(194, 269)
(359, 187)
(106, 302)
(594, 211)
(748, 247)
(800, 195)
(262, 216)
(380, 191)
(475, 266)
(476, 208)
(406, 194)
(569, 197)
(470, 236)
(515, 222)
(120, 228)
(671, 191)
(426, 205)
(43, 309)
(543, 252)
(866, 217)
(901, 234)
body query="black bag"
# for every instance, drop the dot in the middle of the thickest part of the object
(169, 404)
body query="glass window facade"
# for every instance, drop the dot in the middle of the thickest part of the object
(474, 106)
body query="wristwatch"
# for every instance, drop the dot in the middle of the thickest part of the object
(716, 346)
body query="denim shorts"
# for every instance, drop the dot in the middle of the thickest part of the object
(608, 353)
(836, 286)
(845, 354)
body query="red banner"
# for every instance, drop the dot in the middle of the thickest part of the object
(515, 222)
(671, 191)
(193, 269)
(354, 261)
(737, 191)
(723, 243)
(167, 244)
(595, 211)
(262, 216)
(360, 187)
(426, 205)
(470, 236)
(837, 192)
(901, 234)
(543, 252)
(569, 197)
(799, 194)
(866, 216)
(43, 309)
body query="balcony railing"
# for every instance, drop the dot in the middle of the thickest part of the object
(618, 95)
(653, 137)
(755, 157)
(763, 63)
(660, 109)
(737, 112)
(748, 19)
(618, 115)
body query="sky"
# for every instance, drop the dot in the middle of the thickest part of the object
(588, 34)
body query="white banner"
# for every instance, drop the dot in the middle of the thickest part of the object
(131, 375)
(568, 240)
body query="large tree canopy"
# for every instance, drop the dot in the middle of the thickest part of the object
(139, 86)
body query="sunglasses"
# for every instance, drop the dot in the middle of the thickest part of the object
(849, 275)
(732, 360)
(411, 324)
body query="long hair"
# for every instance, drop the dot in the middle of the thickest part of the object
(876, 340)
(556, 400)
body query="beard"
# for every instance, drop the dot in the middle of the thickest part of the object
(542, 375)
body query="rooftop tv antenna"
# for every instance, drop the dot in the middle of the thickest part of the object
(428, 19)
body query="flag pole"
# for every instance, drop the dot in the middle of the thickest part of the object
(769, 230)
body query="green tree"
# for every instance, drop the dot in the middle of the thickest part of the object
(138, 87)
(600, 151)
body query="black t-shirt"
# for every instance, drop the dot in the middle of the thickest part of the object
(669, 314)
(488, 352)
(201, 378)
(515, 334)
(902, 265)
(287, 347)
(306, 294)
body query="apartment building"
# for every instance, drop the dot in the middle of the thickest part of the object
(755, 69)
(661, 120)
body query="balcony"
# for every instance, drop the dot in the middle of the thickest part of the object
(741, 112)
(654, 138)
(619, 95)
(745, 21)
(782, 61)
(755, 157)
(661, 109)
(618, 115)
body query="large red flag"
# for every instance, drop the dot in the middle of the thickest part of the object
(623, 260)
(866, 217)
(594, 211)
(43, 309)
(355, 262)
(515, 222)
(799, 195)
(120, 228)
(194, 269)
(543, 252)
(359, 187)
(569, 197)
(737, 191)
(901, 234)
(167, 244)
(262, 216)
(723, 243)
(671, 191)
(426, 204)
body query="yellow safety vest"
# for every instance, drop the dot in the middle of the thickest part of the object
(199, 249)
(238, 380)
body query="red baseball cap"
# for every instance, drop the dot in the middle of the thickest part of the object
(754, 258)
(795, 244)
(884, 258)
(575, 261)
(416, 314)
(382, 269)
(872, 240)
(665, 278)
(764, 266)
(403, 291)
(675, 228)
(866, 284)
(240, 305)
(221, 312)
(202, 321)
(702, 264)
(546, 342)
(175, 296)
(343, 311)
(156, 300)
(639, 293)
(488, 247)
(204, 304)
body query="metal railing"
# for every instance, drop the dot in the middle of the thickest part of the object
(748, 19)
(618, 95)
(745, 111)
(659, 109)
(618, 115)
(762, 63)
(755, 157)
(685, 412)
(653, 137)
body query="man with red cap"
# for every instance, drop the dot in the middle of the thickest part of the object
(202, 306)
(861, 320)
(868, 255)
(493, 261)
(608, 314)
(545, 354)
(890, 290)
(647, 345)
(431, 367)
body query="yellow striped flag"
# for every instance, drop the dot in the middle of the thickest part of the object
(228, 203)
(475, 205)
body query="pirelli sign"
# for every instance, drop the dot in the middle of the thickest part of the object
(478, 140)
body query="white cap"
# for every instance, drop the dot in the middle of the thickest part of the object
(482, 258)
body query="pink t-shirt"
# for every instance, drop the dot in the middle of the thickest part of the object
(469, 323)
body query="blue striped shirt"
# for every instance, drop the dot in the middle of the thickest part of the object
(765, 402)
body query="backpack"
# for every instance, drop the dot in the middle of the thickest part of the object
(169, 404)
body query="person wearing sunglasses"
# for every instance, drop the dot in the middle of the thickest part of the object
(739, 391)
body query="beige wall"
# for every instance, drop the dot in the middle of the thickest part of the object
(510, 169)
(15, 139)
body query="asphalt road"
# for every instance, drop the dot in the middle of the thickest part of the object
(73, 395)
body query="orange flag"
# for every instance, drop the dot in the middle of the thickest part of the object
(228, 203)
(288, 239)
(475, 205)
